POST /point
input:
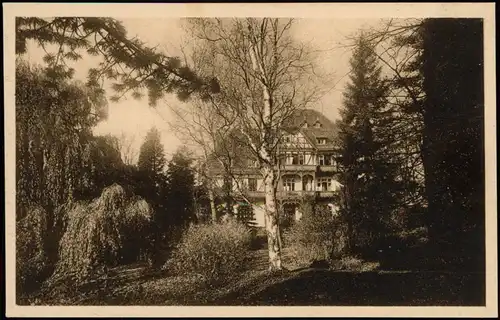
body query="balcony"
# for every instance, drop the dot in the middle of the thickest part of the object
(299, 167)
(325, 194)
(303, 193)
(328, 146)
(327, 169)
(291, 194)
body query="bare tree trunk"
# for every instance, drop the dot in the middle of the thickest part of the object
(271, 212)
(213, 211)
(271, 221)
(348, 215)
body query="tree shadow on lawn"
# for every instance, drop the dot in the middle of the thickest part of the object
(325, 287)
(305, 287)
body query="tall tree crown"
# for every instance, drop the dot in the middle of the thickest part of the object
(152, 155)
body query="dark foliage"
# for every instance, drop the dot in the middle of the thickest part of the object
(129, 62)
(371, 188)
(181, 189)
(453, 136)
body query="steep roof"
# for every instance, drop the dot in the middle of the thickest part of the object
(294, 124)
(311, 117)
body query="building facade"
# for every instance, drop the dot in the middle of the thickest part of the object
(307, 170)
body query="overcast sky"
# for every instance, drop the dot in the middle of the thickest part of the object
(135, 118)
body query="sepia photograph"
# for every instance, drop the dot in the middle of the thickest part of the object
(189, 156)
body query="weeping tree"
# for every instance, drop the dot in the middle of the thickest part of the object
(54, 115)
(102, 233)
(264, 76)
(54, 160)
(54, 118)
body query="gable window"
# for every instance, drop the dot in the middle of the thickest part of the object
(304, 125)
(317, 124)
(321, 140)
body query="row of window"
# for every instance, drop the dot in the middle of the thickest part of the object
(306, 158)
(317, 124)
(322, 184)
(302, 140)
(289, 184)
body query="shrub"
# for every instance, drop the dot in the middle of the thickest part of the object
(212, 251)
(100, 232)
(32, 263)
(317, 236)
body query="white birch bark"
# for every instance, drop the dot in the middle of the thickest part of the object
(271, 212)
(271, 220)
(213, 211)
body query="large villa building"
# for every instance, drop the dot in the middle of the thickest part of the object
(307, 169)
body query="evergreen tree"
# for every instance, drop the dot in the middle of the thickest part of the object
(131, 64)
(151, 155)
(151, 168)
(407, 97)
(153, 185)
(181, 189)
(367, 173)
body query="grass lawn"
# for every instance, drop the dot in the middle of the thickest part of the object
(133, 285)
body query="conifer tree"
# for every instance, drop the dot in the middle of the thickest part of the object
(181, 189)
(153, 185)
(153, 182)
(130, 63)
(151, 155)
(367, 173)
